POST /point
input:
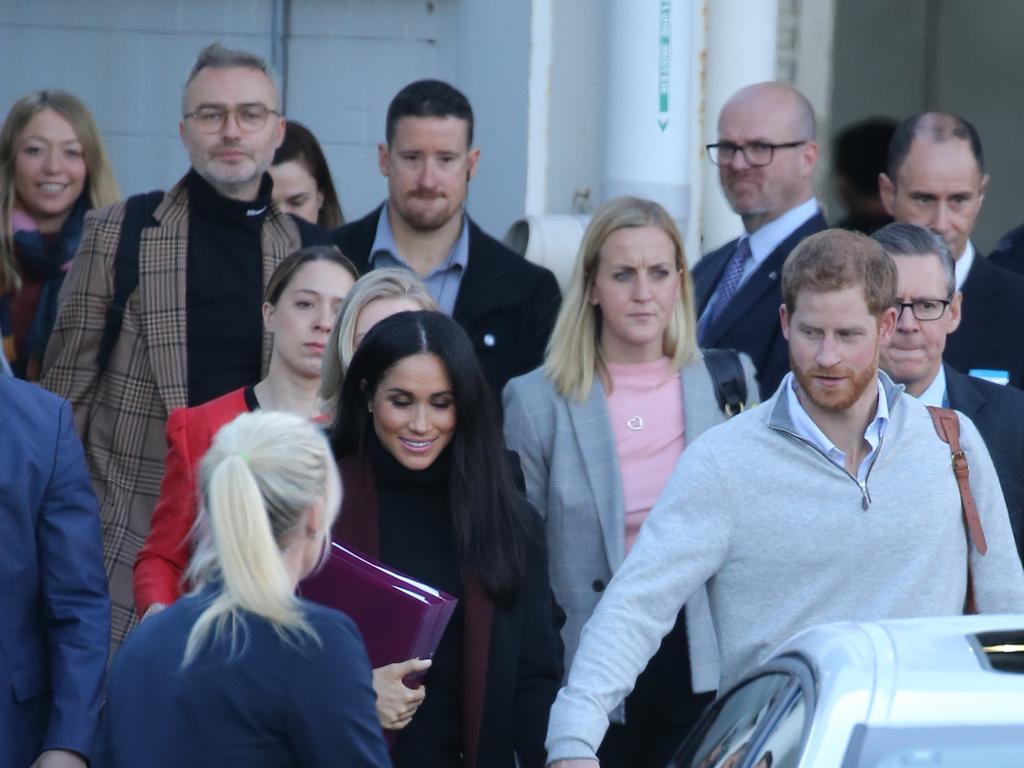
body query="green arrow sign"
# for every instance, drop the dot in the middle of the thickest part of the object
(664, 60)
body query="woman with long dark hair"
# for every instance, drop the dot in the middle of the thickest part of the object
(303, 185)
(431, 490)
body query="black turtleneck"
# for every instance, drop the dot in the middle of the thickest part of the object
(224, 289)
(416, 537)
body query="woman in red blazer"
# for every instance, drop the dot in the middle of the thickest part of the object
(302, 301)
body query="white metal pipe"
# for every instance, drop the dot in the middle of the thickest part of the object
(650, 62)
(539, 111)
(551, 241)
(698, 43)
(741, 50)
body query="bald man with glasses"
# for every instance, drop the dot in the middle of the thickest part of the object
(766, 153)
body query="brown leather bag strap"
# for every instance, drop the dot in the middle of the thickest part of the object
(947, 424)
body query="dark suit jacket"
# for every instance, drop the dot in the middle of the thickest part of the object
(273, 702)
(511, 665)
(506, 304)
(991, 332)
(1008, 253)
(54, 608)
(998, 413)
(750, 323)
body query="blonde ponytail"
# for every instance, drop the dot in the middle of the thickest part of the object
(260, 476)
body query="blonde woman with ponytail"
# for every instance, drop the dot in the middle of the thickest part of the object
(241, 671)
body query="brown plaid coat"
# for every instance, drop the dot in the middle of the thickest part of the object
(120, 415)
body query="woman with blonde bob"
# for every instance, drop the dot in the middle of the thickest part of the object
(599, 428)
(53, 168)
(376, 295)
(242, 671)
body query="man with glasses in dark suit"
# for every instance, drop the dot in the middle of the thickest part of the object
(936, 179)
(766, 153)
(930, 308)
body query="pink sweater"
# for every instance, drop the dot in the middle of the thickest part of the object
(646, 410)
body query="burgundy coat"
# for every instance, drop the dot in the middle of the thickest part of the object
(511, 664)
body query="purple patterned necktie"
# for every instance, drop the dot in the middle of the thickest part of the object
(727, 286)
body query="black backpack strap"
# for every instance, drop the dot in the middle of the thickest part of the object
(138, 213)
(730, 382)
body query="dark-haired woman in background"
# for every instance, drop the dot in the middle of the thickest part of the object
(431, 490)
(242, 672)
(302, 179)
(302, 300)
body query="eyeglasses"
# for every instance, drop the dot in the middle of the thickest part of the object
(923, 309)
(250, 117)
(757, 153)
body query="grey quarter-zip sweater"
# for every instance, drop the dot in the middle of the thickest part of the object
(785, 540)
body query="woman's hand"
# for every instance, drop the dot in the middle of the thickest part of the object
(396, 704)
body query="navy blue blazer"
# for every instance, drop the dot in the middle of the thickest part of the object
(750, 323)
(506, 304)
(54, 607)
(273, 703)
(991, 332)
(998, 413)
(1008, 253)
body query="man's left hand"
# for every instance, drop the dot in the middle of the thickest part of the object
(59, 758)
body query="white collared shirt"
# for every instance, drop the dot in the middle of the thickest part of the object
(936, 392)
(809, 431)
(767, 239)
(962, 266)
(770, 236)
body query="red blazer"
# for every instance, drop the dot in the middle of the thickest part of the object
(160, 564)
(511, 655)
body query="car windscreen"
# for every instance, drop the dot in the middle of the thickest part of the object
(949, 746)
(762, 722)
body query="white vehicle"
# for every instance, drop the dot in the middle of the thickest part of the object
(908, 693)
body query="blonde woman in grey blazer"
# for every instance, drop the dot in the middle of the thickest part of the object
(630, 301)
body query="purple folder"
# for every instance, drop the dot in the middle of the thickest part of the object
(400, 618)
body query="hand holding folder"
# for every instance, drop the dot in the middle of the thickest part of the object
(400, 618)
(397, 701)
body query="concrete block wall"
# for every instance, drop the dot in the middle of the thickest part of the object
(346, 60)
(128, 64)
(343, 61)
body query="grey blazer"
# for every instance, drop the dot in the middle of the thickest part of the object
(573, 478)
